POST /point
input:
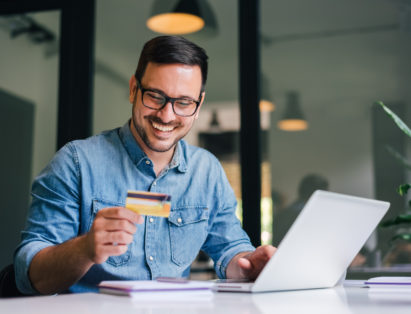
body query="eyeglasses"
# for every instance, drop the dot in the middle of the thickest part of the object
(156, 100)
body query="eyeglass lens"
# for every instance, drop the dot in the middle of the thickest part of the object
(181, 106)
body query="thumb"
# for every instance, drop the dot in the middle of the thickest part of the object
(244, 263)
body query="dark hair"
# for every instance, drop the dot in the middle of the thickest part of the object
(172, 49)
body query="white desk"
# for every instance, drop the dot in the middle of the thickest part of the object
(330, 301)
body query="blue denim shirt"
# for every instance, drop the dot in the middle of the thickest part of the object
(88, 175)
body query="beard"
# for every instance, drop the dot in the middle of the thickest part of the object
(143, 134)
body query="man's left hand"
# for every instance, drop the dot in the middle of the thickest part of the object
(248, 265)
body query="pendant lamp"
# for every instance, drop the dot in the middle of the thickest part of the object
(293, 118)
(181, 17)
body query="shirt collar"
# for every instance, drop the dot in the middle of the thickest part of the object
(137, 155)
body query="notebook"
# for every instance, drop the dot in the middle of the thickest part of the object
(319, 246)
(161, 289)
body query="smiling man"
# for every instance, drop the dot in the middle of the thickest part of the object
(78, 232)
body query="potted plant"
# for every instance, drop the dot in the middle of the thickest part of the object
(403, 236)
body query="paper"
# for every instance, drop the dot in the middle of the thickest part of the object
(160, 291)
(148, 203)
(389, 283)
(169, 297)
(127, 286)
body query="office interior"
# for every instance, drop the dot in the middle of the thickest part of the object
(332, 60)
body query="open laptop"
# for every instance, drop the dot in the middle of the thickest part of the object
(319, 246)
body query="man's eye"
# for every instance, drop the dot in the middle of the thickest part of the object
(156, 97)
(184, 102)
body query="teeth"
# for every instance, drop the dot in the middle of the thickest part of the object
(162, 127)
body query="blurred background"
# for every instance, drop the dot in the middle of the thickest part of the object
(323, 66)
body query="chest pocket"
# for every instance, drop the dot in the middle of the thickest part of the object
(98, 205)
(188, 231)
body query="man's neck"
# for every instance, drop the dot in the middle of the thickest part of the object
(160, 159)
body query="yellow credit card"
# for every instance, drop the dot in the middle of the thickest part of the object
(148, 203)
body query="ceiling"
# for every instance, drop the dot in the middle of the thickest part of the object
(121, 32)
(292, 33)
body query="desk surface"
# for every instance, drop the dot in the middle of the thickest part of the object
(336, 300)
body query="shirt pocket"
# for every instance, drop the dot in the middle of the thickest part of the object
(99, 204)
(188, 231)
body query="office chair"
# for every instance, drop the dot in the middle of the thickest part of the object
(8, 286)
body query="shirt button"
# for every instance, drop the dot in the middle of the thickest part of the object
(179, 220)
(154, 183)
(151, 258)
(147, 162)
(151, 219)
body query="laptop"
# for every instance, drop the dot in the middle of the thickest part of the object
(319, 246)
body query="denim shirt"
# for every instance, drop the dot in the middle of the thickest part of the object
(88, 175)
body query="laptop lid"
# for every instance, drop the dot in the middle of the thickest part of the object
(322, 242)
(319, 246)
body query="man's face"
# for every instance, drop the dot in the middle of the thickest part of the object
(160, 130)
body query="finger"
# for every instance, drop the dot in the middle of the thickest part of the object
(119, 237)
(102, 252)
(114, 250)
(121, 213)
(262, 253)
(111, 224)
(244, 264)
(259, 258)
(248, 270)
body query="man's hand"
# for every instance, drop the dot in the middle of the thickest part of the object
(111, 232)
(248, 265)
(66, 263)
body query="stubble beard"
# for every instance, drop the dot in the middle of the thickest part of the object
(143, 135)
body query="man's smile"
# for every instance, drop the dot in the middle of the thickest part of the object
(162, 127)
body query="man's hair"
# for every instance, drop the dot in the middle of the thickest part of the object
(172, 49)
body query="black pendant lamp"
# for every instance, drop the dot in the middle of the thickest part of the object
(293, 118)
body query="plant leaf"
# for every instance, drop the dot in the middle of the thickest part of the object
(399, 157)
(404, 236)
(400, 219)
(396, 119)
(403, 189)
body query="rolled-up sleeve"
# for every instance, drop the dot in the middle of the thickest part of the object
(53, 216)
(226, 238)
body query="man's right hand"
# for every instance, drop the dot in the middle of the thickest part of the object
(111, 232)
(66, 263)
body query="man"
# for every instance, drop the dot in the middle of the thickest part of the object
(78, 231)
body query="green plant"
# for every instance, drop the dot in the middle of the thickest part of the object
(403, 188)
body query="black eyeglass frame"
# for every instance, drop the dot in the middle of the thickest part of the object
(167, 100)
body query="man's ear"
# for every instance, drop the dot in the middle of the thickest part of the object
(132, 88)
(199, 106)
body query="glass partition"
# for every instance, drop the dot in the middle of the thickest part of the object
(29, 59)
(327, 63)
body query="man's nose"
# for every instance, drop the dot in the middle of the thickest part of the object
(167, 113)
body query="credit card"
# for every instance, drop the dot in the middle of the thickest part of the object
(149, 203)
